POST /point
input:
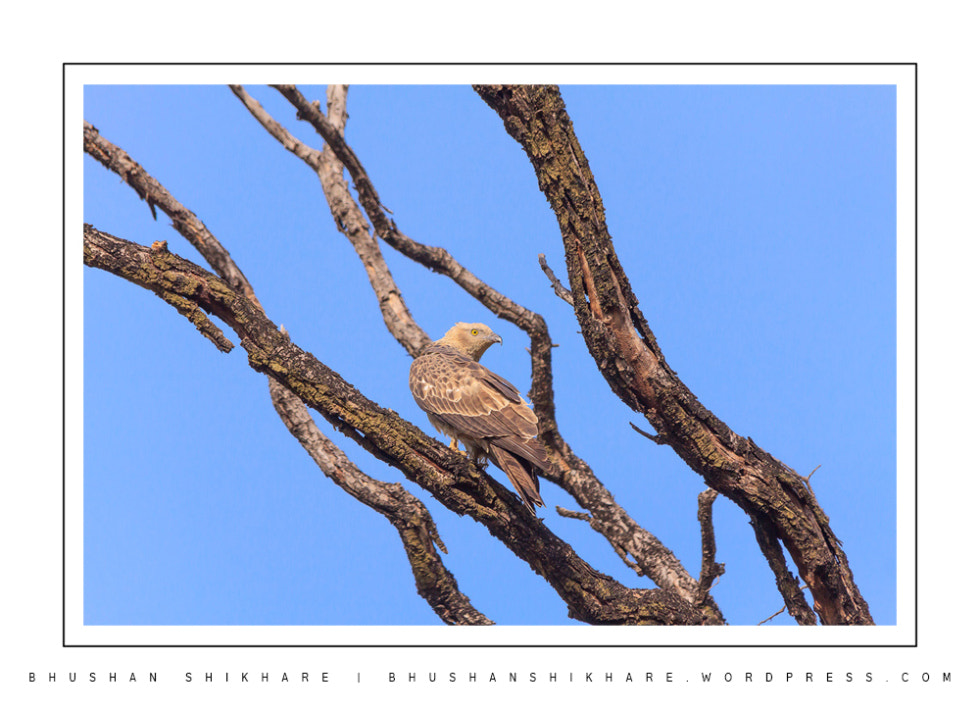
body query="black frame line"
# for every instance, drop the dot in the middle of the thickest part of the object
(915, 308)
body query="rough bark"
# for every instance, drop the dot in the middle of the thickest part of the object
(710, 570)
(626, 352)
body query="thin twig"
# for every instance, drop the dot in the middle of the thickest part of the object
(773, 616)
(566, 513)
(560, 291)
(655, 438)
(807, 481)
(770, 618)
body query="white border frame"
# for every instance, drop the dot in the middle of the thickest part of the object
(903, 76)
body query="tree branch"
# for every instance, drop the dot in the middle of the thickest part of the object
(156, 195)
(560, 290)
(710, 570)
(626, 352)
(787, 584)
(294, 145)
(591, 596)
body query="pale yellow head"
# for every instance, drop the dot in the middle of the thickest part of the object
(470, 338)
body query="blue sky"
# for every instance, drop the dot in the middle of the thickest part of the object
(757, 225)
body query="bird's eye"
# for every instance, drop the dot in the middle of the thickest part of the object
(475, 331)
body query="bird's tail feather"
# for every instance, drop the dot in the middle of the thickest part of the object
(530, 450)
(521, 475)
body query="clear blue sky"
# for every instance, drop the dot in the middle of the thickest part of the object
(757, 225)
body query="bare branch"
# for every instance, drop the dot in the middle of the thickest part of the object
(577, 515)
(626, 352)
(351, 223)
(592, 597)
(155, 195)
(337, 106)
(204, 324)
(787, 584)
(560, 291)
(807, 480)
(290, 142)
(655, 438)
(773, 616)
(710, 570)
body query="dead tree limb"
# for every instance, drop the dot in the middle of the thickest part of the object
(591, 596)
(710, 569)
(624, 348)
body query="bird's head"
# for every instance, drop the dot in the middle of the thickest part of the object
(472, 338)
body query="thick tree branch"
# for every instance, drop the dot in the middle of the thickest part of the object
(626, 351)
(592, 597)
(156, 195)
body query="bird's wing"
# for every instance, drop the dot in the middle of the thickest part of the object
(469, 398)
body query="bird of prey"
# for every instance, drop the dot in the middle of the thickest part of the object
(469, 403)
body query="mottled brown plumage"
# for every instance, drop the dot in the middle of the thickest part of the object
(471, 404)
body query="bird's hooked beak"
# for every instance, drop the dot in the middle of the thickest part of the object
(494, 338)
